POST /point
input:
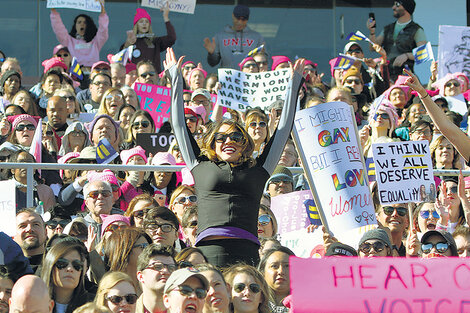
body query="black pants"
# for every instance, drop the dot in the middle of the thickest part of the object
(225, 252)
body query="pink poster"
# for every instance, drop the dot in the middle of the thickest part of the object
(348, 284)
(156, 100)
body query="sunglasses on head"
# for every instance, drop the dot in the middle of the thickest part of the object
(235, 136)
(255, 288)
(144, 124)
(144, 75)
(113, 227)
(96, 193)
(441, 247)
(401, 211)
(183, 199)
(166, 228)
(426, 213)
(54, 224)
(187, 291)
(22, 127)
(261, 124)
(264, 219)
(63, 263)
(382, 115)
(160, 266)
(378, 246)
(116, 300)
(454, 84)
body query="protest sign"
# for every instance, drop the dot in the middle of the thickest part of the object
(156, 100)
(404, 172)
(326, 138)
(8, 207)
(241, 90)
(86, 5)
(368, 285)
(290, 211)
(454, 42)
(181, 6)
(153, 142)
(303, 243)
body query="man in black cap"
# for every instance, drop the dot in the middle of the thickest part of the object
(400, 37)
(230, 46)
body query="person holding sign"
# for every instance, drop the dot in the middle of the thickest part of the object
(84, 40)
(228, 181)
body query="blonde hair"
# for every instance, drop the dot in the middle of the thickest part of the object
(254, 114)
(109, 280)
(68, 88)
(103, 109)
(32, 110)
(91, 307)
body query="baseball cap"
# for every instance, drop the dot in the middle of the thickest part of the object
(241, 11)
(178, 277)
(201, 91)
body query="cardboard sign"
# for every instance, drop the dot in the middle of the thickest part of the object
(404, 172)
(181, 6)
(8, 207)
(85, 5)
(153, 143)
(156, 100)
(405, 285)
(290, 211)
(327, 142)
(303, 243)
(242, 90)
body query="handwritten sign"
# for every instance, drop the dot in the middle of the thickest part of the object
(153, 143)
(380, 285)
(303, 243)
(290, 212)
(327, 142)
(181, 6)
(242, 90)
(404, 172)
(8, 207)
(85, 5)
(156, 100)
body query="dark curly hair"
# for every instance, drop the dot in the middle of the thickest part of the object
(90, 31)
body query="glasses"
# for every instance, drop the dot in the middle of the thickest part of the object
(144, 124)
(102, 83)
(116, 300)
(441, 247)
(141, 245)
(453, 189)
(54, 224)
(426, 213)
(278, 181)
(192, 224)
(77, 133)
(96, 193)
(183, 199)
(397, 3)
(189, 67)
(262, 63)
(235, 136)
(250, 65)
(63, 263)
(255, 288)
(116, 97)
(160, 266)
(65, 55)
(388, 210)
(382, 115)
(166, 228)
(191, 119)
(140, 214)
(261, 124)
(185, 264)
(354, 50)
(187, 291)
(22, 127)
(48, 133)
(351, 81)
(378, 246)
(68, 98)
(186, 101)
(453, 84)
(264, 219)
(200, 102)
(144, 75)
(425, 132)
(113, 227)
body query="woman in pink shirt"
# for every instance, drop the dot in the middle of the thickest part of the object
(84, 41)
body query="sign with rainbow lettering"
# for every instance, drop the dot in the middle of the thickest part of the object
(326, 138)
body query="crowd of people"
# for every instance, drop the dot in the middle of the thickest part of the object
(205, 239)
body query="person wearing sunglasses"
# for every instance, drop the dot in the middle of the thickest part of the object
(185, 290)
(55, 226)
(113, 222)
(146, 73)
(395, 218)
(193, 118)
(228, 181)
(118, 292)
(189, 226)
(63, 270)
(430, 216)
(375, 243)
(98, 200)
(111, 101)
(183, 198)
(267, 223)
(218, 295)
(140, 122)
(138, 207)
(249, 65)
(256, 124)
(249, 291)
(438, 243)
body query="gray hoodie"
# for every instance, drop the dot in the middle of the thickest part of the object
(233, 46)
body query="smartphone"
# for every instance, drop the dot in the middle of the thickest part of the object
(372, 17)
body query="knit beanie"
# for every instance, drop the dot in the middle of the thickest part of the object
(378, 234)
(24, 117)
(91, 125)
(141, 13)
(352, 71)
(105, 175)
(53, 62)
(278, 59)
(280, 172)
(7, 75)
(409, 5)
(127, 154)
(109, 219)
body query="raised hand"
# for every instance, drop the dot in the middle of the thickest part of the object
(209, 45)
(170, 59)
(298, 67)
(131, 38)
(413, 83)
(166, 11)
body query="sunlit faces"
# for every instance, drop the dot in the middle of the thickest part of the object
(69, 100)
(23, 100)
(416, 111)
(218, 295)
(113, 101)
(125, 117)
(265, 225)
(374, 248)
(80, 26)
(452, 88)
(174, 301)
(65, 56)
(100, 84)
(139, 211)
(435, 246)
(276, 272)
(6, 285)
(51, 84)
(444, 153)
(423, 132)
(339, 95)
(229, 150)
(12, 85)
(397, 221)
(246, 299)
(146, 74)
(30, 231)
(131, 97)
(104, 128)
(162, 232)
(355, 83)
(427, 217)
(122, 289)
(258, 130)
(463, 245)
(451, 194)
(398, 10)
(155, 275)
(197, 80)
(131, 77)
(142, 125)
(288, 156)
(67, 271)
(185, 200)
(381, 120)
(250, 67)
(118, 76)
(143, 26)
(262, 62)
(397, 98)
(57, 112)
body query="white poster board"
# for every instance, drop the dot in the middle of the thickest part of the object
(290, 212)
(454, 50)
(404, 172)
(241, 90)
(8, 207)
(327, 141)
(181, 6)
(85, 5)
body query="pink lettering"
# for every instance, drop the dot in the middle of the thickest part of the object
(235, 41)
(415, 275)
(361, 200)
(351, 276)
(362, 276)
(393, 274)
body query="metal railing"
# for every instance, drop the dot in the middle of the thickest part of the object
(30, 167)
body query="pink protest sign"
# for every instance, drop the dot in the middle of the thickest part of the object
(290, 211)
(347, 284)
(156, 100)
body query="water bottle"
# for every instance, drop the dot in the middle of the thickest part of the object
(40, 208)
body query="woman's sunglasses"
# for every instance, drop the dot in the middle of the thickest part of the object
(183, 199)
(144, 124)
(22, 127)
(382, 115)
(116, 300)
(378, 246)
(188, 291)
(261, 124)
(235, 136)
(255, 288)
(441, 247)
(264, 219)
(426, 213)
(114, 227)
(63, 263)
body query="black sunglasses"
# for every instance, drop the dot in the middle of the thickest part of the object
(130, 299)
(235, 136)
(144, 75)
(22, 127)
(261, 124)
(65, 55)
(441, 247)
(144, 124)
(192, 119)
(54, 224)
(63, 263)
(140, 214)
(68, 98)
(382, 115)
(255, 288)
(378, 246)
(187, 291)
(388, 210)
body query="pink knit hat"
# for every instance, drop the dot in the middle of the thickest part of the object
(130, 67)
(58, 48)
(141, 13)
(188, 62)
(278, 59)
(401, 79)
(53, 62)
(24, 117)
(404, 88)
(109, 219)
(105, 175)
(197, 69)
(197, 111)
(64, 159)
(163, 158)
(244, 61)
(440, 84)
(467, 182)
(127, 154)
(386, 106)
(308, 62)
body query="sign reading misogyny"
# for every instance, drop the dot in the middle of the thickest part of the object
(240, 91)
(181, 6)
(404, 172)
(326, 138)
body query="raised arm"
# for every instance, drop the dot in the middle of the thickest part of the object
(452, 132)
(188, 145)
(59, 28)
(103, 24)
(272, 152)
